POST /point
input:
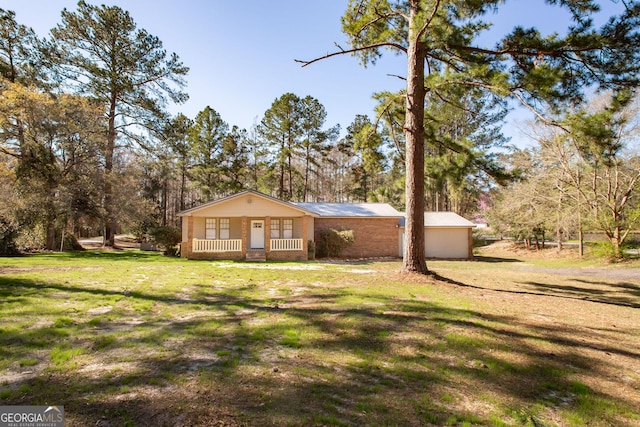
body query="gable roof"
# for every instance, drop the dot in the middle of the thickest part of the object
(443, 219)
(255, 193)
(351, 210)
(330, 210)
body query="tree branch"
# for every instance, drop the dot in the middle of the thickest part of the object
(516, 52)
(428, 22)
(537, 113)
(357, 49)
(397, 76)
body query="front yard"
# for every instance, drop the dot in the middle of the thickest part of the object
(131, 338)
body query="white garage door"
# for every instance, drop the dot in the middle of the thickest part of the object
(446, 243)
(443, 243)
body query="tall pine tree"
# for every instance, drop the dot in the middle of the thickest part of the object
(100, 52)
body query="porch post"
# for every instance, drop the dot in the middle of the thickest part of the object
(305, 237)
(244, 236)
(267, 237)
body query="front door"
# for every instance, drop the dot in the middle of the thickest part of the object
(257, 234)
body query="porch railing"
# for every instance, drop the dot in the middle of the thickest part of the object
(286, 244)
(231, 245)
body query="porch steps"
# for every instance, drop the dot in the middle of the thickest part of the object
(256, 256)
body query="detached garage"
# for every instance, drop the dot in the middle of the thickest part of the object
(446, 235)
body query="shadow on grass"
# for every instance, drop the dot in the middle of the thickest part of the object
(493, 260)
(108, 254)
(631, 288)
(238, 357)
(565, 292)
(628, 295)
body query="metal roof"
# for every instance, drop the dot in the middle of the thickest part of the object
(348, 210)
(442, 219)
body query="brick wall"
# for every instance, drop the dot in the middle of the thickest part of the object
(373, 237)
(235, 256)
(286, 256)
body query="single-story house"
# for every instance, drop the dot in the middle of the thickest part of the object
(254, 226)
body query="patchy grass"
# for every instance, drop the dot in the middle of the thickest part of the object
(129, 338)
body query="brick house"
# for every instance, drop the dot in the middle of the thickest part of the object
(253, 226)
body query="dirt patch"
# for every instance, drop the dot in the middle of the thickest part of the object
(611, 273)
(122, 241)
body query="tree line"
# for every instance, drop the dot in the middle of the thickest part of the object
(581, 175)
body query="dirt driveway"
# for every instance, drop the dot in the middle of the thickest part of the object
(613, 273)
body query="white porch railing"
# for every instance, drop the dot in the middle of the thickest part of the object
(231, 245)
(286, 244)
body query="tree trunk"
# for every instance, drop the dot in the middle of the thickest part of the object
(580, 242)
(616, 242)
(109, 221)
(290, 173)
(165, 195)
(414, 258)
(183, 183)
(282, 161)
(50, 242)
(306, 177)
(559, 240)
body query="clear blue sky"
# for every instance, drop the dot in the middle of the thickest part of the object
(241, 53)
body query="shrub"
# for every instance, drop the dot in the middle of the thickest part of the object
(167, 238)
(70, 242)
(311, 250)
(8, 235)
(332, 243)
(604, 249)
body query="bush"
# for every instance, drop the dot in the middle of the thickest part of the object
(167, 238)
(311, 250)
(8, 235)
(70, 242)
(604, 249)
(332, 243)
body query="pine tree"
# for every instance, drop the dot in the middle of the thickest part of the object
(100, 51)
(440, 39)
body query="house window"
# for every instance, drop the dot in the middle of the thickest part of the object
(210, 229)
(287, 228)
(275, 228)
(224, 228)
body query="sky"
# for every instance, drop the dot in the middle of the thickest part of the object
(241, 53)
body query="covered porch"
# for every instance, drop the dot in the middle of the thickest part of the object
(248, 238)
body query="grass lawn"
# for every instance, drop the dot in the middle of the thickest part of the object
(130, 338)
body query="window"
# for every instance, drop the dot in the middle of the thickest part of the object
(210, 229)
(224, 228)
(275, 228)
(287, 228)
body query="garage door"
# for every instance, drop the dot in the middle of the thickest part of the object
(443, 243)
(446, 243)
